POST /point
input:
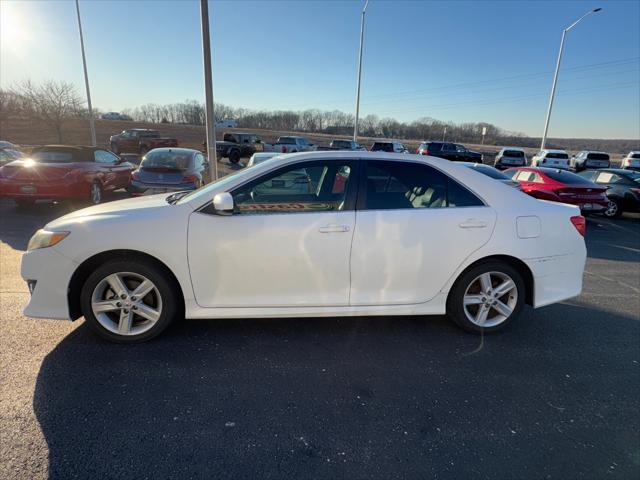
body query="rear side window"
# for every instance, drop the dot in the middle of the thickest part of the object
(230, 137)
(598, 156)
(53, 156)
(434, 146)
(382, 147)
(397, 185)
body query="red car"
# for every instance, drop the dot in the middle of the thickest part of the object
(57, 172)
(560, 186)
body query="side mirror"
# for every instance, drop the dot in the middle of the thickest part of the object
(223, 204)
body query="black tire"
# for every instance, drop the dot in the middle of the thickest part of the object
(24, 202)
(457, 311)
(114, 148)
(234, 156)
(614, 210)
(170, 309)
(95, 193)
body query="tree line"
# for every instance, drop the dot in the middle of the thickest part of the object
(55, 103)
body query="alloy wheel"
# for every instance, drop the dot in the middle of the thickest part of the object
(490, 299)
(126, 303)
(612, 209)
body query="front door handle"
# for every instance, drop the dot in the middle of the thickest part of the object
(334, 229)
(473, 223)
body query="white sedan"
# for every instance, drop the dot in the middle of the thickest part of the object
(313, 234)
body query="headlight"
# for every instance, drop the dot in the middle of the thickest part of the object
(44, 239)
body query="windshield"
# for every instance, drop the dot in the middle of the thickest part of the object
(513, 154)
(169, 159)
(635, 155)
(562, 156)
(489, 172)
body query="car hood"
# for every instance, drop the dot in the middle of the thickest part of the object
(110, 210)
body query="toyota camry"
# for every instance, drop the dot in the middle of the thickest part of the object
(314, 234)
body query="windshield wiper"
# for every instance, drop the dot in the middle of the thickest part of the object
(174, 197)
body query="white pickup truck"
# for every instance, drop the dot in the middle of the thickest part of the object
(290, 144)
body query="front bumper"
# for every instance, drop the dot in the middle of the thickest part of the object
(51, 271)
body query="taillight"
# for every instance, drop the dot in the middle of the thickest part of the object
(135, 175)
(580, 223)
(284, 149)
(190, 179)
(634, 190)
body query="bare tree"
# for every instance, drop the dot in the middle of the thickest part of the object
(52, 102)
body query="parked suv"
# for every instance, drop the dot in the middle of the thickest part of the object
(450, 151)
(631, 161)
(591, 160)
(237, 145)
(510, 157)
(390, 146)
(551, 158)
(139, 140)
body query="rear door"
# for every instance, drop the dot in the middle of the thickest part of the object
(449, 152)
(414, 227)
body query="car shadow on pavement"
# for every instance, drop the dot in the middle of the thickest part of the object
(394, 397)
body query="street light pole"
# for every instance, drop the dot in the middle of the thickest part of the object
(92, 124)
(210, 120)
(555, 75)
(355, 125)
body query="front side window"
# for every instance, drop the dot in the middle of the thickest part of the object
(398, 185)
(102, 156)
(308, 187)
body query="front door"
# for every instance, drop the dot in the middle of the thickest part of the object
(287, 243)
(414, 227)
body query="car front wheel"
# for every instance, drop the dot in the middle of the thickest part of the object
(128, 302)
(487, 297)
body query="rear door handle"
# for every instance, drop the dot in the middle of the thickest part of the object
(334, 229)
(473, 223)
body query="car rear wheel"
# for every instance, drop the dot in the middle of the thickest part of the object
(95, 193)
(128, 302)
(234, 156)
(613, 210)
(487, 297)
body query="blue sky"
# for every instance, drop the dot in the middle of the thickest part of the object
(455, 61)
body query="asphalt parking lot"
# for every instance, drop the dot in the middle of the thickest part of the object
(554, 396)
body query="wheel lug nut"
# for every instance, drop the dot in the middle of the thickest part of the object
(118, 304)
(134, 308)
(123, 296)
(126, 311)
(133, 299)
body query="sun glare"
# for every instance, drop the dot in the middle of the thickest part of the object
(13, 31)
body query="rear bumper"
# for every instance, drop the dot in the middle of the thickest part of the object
(58, 189)
(557, 278)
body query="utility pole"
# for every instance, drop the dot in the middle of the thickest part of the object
(92, 123)
(444, 134)
(555, 75)
(355, 125)
(208, 91)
